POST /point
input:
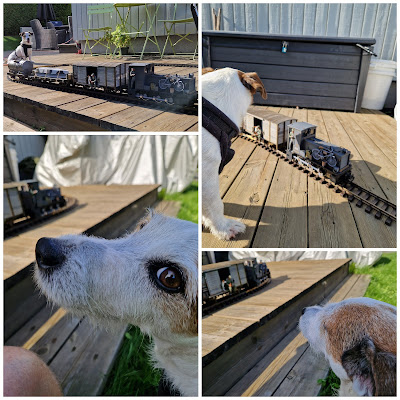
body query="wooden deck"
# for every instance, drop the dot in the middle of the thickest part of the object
(235, 338)
(97, 203)
(59, 111)
(282, 207)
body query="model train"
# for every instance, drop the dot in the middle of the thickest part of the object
(299, 142)
(136, 80)
(232, 277)
(26, 200)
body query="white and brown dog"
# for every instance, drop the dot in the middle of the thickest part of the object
(24, 50)
(147, 279)
(358, 337)
(231, 92)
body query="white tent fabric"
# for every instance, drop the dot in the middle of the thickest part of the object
(360, 258)
(168, 160)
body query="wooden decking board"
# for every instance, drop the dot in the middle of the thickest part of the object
(383, 169)
(283, 221)
(291, 368)
(329, 219)
(243, 151)
(227, 364)
(289, 278)
(88, 111)
(10, 125)
(246, 196)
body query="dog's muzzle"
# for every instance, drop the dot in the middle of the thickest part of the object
(49, 254)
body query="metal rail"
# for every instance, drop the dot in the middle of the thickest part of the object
(348, 189)
(232, 298)
(23, 225)
(106, 95)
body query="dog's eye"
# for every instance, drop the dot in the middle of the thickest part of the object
(170, 278)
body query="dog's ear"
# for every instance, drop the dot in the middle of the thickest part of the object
(372, 372)
(22, 34)
(252, 81)
(206, 70)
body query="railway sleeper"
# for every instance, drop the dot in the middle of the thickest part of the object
(388, 221)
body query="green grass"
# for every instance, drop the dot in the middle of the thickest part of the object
(11, 42)
(383, 287)
(188, 200)
(132, 373)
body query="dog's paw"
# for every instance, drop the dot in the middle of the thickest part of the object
(230, 229)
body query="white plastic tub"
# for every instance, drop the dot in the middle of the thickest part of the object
(379, 79)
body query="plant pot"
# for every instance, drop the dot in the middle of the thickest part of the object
(124, 51)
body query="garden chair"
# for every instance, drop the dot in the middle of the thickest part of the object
(91, 33)
(45, 38)
(169, 25)
(126, 28)
(61, 33)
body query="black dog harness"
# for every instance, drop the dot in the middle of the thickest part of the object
(26, 47)
(222, 128)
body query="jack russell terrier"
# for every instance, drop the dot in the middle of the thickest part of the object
(24, 50)
(358, 337)
(227, 94)
(147, 278)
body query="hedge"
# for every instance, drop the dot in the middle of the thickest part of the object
(18, 15)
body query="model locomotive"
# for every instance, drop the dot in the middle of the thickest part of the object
(26, 200)
(232, 277)
(136, 80)
(299, 142)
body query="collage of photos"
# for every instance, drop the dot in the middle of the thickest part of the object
(158, 245)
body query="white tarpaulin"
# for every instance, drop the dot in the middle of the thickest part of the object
(360, 258)
(168, 160)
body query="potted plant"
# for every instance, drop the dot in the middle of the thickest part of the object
(121, 39)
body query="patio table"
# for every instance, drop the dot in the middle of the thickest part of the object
(151, 18)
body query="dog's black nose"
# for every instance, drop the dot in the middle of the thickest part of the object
(49, 253)
(303, 310)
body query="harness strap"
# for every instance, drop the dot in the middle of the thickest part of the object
(222, 128)
(26, 47)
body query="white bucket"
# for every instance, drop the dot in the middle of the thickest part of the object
(379, 79)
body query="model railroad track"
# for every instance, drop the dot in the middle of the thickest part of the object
(373, 203)
(230, 299)
(161, 105)
(19, 227)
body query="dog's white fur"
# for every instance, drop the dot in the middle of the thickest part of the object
(338, 329)
(224, 89)
(18, 54)
(109, 281)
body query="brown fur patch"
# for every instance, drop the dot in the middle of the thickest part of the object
(207, 70)
(348, 325)
(252, 81)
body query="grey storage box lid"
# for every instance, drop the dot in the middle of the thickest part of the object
(314, 72)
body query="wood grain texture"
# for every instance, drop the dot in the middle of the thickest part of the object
(60, 111)
(299, 211)
(243, 343)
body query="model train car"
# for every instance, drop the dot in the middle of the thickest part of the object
(231, 277)
(26, 200)
(136, 80)
(299, 142)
